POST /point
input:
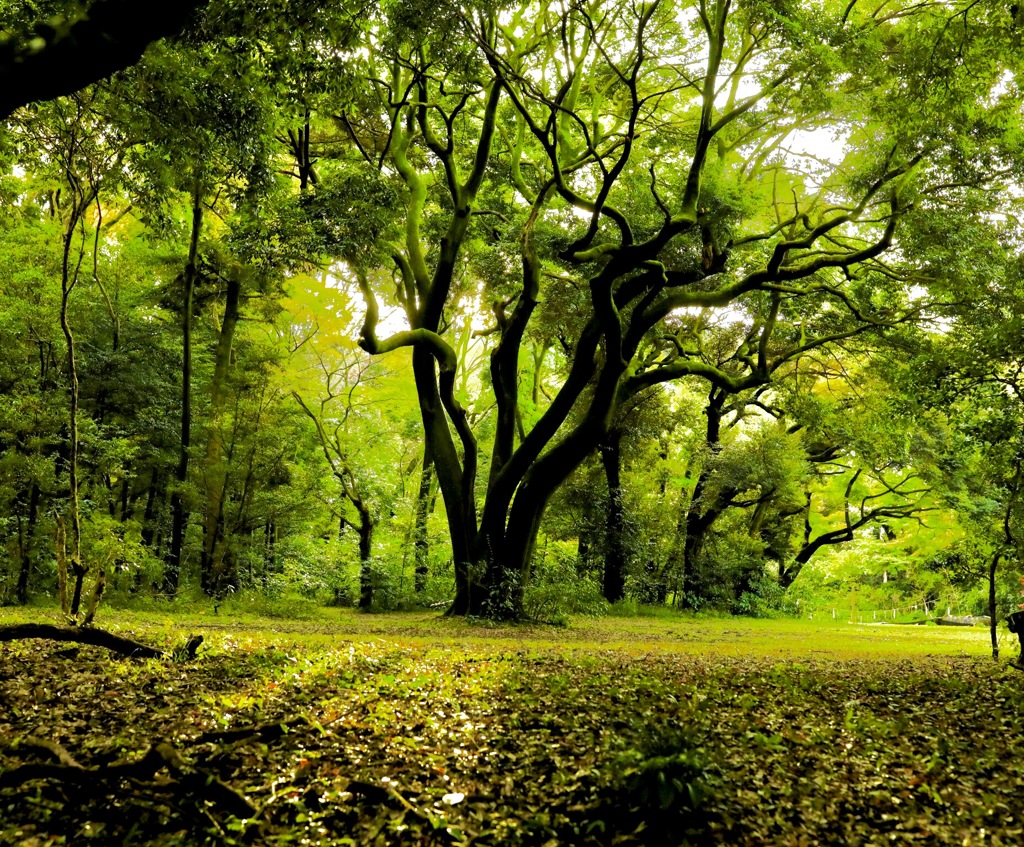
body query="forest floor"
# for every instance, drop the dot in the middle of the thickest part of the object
(412, 729)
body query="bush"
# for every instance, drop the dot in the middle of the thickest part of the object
(764, 598)
(631, 608)
(558, 590)
(310, 567)
(289, 606)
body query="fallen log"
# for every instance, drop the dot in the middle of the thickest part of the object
(94, 637)
(963, 620)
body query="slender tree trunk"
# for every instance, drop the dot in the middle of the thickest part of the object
(701, 516)
(365, 556)
(993, 623)
(269, 547)
(179, 514)
(420, 541)
(583, 549)
(126, 505)
(614, 551)
(299, 140)
(149, 513)
(68, 279)
(27, 545)
(825, 539)
(539, 352)
(211, 563)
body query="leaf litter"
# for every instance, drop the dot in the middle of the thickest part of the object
(366, 743)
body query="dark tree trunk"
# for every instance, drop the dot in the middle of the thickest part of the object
(813, 545)
(214, 567)
(420, 541)
(583, 549)
(27, 546)
(149, 514)
(509, 558)
(69, 279)
(125, 499)
(992, 609)
(365, 556)
(110, 37)
(269, 547)
(450, 479)
(698, 523)
(788, 573)
(614, 585)
(1011, 544)
(179, 514)
(299, 140)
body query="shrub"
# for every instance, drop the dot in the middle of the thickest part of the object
(558, 590)
(764, 598)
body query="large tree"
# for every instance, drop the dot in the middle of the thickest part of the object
(642, 163)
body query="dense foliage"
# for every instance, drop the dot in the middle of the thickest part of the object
(517, 310)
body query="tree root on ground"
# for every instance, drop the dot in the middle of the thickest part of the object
(97, 638)
(105, 779)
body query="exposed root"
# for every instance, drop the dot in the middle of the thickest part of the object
(104, 779)
(97, 638)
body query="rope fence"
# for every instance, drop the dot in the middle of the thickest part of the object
(856, 615)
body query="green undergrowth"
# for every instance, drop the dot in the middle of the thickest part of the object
(415, 729)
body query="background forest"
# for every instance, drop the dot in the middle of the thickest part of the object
(521, 310)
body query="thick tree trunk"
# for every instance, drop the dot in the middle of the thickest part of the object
(507, 571)
(614, 583)
(112, 35)
(698, 526)
(517, 497)
(450, 479)
(179, 515)
(212, 562)
(758, 518)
